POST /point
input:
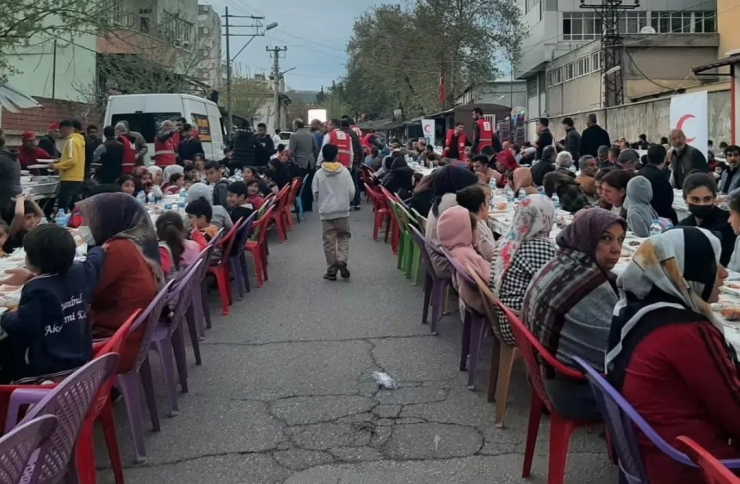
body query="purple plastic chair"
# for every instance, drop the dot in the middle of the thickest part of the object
(129, 382)
(18, 445)
(237, 258)
(474, 329)
(199, 311)
(434, 285)
(168, 339)
(69, 402)
(620, 418)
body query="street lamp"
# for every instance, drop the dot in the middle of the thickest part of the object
(229, 60)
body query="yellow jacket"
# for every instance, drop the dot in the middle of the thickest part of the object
(71, 165)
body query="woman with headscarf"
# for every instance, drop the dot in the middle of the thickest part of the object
(521, 180)
(520, 254)
(157, 181)
(132, 273)
(385, 168)
(569, 303)
(450, 180)
(572, 197)
(281, 177)
(640, 214)
(667, 352)
(400, 179)
(220, 218)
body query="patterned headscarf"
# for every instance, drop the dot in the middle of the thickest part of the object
(674, 269)
(584, 233)
(533, 218)
(112, 216)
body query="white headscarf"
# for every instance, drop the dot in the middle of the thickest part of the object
(682, 265)
(200, 190)
(169, 171)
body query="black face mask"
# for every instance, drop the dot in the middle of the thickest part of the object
(700, 211)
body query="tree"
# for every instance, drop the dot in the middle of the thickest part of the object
(397, 55)
(249, 96)
(38, 21)
(297, 108)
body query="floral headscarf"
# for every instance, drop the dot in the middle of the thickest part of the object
(533, 218)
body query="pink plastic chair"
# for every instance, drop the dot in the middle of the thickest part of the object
(70, 402)
(129, 382)
(18, 445)
(168, 339)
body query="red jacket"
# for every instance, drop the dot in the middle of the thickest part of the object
(507, 160)
(30, 157)
(682, 382)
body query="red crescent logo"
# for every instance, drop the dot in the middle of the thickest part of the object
(680, 123)
(427, 128)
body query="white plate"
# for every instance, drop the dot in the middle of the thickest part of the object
(37, 167)
(730, 290)
(46, 161)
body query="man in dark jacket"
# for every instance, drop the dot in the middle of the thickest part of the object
(593, 137)
(544, 166)
(685, 159)
(346, 124)
(48, 142)
(572, 140)
(662, 200)
(110, 156)
(267, 145)
(189, 146)
(244, 146)
(10, 175)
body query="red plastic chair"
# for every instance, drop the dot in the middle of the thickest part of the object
(382, 213)
(295, 187)
(388, 197)
(367, 178)
(561, 428)
(714, 471)
(222, 270)
(258, 248)
(278, 216)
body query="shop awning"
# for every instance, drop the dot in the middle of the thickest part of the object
(14, 100)
(727, 61)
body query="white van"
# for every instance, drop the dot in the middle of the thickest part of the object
(146, 112)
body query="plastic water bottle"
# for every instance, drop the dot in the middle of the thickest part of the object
(556, 200)
(61, 218)
(655, 228)
(238, 173)
(150, 198)
(509, 194)
(183, 201)
(141, 197)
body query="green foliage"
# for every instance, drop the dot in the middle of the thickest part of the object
(398, 54)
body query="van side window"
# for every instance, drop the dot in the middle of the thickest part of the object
(201, 123)
(145, 123)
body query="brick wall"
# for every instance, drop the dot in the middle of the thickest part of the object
(53, 111)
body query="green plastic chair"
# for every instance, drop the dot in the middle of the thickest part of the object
(415, 218)
(404, 249)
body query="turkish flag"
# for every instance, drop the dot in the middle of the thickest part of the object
(442, 88)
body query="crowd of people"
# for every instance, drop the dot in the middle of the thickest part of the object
(635, 327)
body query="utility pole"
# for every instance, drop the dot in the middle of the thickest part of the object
(276, 75)
(258, 31)
(611, 47)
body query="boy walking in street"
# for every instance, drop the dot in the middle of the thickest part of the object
(334, 189)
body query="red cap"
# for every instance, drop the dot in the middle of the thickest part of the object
(53, 126)
(28, 135)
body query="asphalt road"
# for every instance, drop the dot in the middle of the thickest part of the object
(285, 393)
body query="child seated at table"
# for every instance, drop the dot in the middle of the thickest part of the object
(220, 184)
(175, 184)
(270, 175)
(49, 333)
(26, 216)
(176, 252)
(254, 196)
(236, 200)
(199, 214)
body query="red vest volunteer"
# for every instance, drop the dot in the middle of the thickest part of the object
(165, 148)
(485, 133)
(461, 142)
(343, 142)
(129, 155)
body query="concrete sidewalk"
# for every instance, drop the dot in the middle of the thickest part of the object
(285, 393)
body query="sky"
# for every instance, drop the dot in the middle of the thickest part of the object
(315, 33)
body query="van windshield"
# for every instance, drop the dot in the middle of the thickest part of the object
(145, 123)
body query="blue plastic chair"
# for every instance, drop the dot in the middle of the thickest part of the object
(299, 200)
(238, 260)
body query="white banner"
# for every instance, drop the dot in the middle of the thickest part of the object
(690, 114)
(427, 126)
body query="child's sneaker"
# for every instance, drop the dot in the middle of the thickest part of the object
(331, 273)
(343, 270)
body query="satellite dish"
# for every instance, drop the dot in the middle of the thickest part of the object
(647, 30)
